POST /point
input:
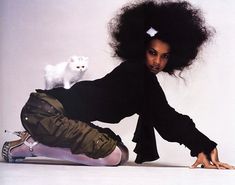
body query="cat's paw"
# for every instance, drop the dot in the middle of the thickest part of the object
(67, 86)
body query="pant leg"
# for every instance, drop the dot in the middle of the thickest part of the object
(43, 117)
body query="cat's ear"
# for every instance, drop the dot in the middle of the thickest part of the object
(86, 58)
(72, 59)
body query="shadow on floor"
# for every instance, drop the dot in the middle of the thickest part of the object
(47, 161)
(154, 164)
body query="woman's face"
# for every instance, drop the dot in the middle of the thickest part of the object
(157, 55)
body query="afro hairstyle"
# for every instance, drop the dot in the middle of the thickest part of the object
(178, 23)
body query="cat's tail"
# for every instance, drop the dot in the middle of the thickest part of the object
(48, 76)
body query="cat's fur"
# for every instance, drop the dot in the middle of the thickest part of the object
(65, 74)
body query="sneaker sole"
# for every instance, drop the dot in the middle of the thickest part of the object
(6, 154)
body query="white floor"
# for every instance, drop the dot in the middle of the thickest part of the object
(47, 172)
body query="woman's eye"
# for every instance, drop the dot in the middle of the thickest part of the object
(151, 52)
(166, 57)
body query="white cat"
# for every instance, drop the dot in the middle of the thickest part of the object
(65, 74)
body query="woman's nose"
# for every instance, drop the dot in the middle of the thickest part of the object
(157, 60)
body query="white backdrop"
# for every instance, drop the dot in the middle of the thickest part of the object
(34, 33)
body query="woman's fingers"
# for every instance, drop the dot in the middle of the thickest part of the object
(216, 163)
(205, 164)
(212, 162)
(226, 166)
(209, 166)
(195, 165)
(221, 165)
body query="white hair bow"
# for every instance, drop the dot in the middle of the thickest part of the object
(152, 32)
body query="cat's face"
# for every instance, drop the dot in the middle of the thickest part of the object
(78, 63)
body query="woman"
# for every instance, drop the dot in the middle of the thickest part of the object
(149, 37)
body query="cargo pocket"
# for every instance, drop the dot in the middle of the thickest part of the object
(103, 145)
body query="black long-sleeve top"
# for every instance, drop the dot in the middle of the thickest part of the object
(132, 89)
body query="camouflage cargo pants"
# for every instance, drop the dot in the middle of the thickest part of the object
(43, 117)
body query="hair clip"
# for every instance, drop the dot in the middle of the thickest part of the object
(151, 32)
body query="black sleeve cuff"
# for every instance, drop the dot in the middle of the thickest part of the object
(198, 142)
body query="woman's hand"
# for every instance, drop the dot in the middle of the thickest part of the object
(211, 161)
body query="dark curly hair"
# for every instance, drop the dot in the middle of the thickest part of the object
(178, 23)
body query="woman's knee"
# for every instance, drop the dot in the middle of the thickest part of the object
(114, 158)
(125, 153)
(119, 156)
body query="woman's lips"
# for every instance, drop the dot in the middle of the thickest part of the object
(155, 69)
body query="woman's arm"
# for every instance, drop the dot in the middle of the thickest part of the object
(176, 127)
(171, 125)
